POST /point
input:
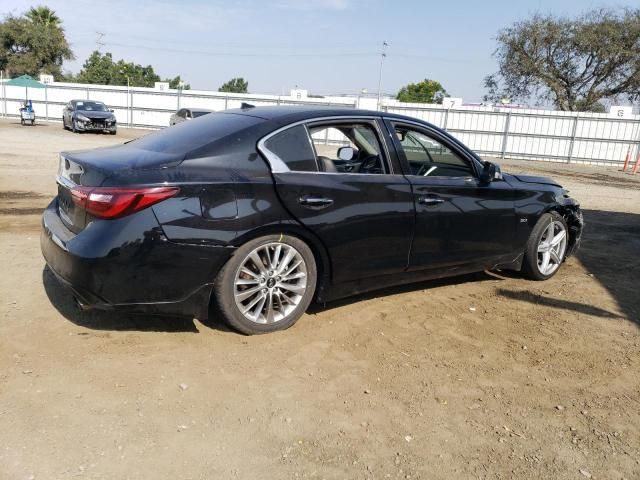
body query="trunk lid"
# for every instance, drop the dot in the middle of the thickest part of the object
(90, 168)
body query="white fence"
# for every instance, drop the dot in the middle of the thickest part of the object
(507, 133)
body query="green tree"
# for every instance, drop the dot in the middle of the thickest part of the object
(572, 63)
(235, 85)
(100, 68)
(33, 43)
(175, 83)
(42, 15)
(426, 91)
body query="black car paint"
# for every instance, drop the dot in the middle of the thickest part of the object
(377, 233)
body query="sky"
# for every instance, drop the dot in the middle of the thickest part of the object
(324, 46)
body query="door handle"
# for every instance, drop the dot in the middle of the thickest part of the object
(430, 200)
(312, 202)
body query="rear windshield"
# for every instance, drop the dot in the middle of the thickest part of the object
(192, 135)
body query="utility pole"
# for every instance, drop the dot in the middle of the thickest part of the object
(383, 55)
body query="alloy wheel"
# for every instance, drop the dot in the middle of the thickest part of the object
(270, 283)
(551, 248)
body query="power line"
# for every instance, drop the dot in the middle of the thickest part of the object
(243, 54)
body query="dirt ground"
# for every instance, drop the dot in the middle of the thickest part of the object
(482, 376)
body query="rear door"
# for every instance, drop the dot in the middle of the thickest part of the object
(360, 210)
(459, 221)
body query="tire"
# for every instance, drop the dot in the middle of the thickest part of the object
(113, 132)
(543, 257)
(73, 126)
(64, 125)
(243, 283)
(22, 122)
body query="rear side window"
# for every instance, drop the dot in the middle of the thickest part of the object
(183, 140)
(293, 147)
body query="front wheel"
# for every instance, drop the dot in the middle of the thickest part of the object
(546, 247)
(267, 284)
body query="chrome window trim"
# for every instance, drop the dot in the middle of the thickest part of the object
(279, 166)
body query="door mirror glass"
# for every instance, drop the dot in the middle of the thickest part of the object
(346, 153)
(490, 172)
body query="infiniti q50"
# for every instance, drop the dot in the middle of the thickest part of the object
(254, 213)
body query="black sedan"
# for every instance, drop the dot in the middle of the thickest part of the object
(258, 211)
(88, 116)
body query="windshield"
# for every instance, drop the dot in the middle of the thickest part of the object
(197, 113)
(91, 106)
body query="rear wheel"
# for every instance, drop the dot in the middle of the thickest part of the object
(546, 248)
(267, 285)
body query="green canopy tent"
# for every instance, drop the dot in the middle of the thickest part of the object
(25, 81)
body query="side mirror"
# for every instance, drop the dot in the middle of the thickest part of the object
(346, 153)
(111, 110)
(490, 172)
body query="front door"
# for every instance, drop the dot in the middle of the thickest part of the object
(459, 221)
(336, 179)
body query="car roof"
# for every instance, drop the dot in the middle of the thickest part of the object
(292, 113)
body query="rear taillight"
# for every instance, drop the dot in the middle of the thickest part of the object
(115, 202)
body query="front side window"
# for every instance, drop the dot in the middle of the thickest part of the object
(347, 148)
(428, 157)
(292, 147)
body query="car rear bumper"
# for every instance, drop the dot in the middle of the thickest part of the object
(145, 273)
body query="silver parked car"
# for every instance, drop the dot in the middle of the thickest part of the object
(187, 114)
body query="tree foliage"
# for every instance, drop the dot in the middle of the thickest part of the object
(426, 91)
(235, 85)
(33, 43)
(42, 15)
(102, 69)
(573, 64)
(175, 83)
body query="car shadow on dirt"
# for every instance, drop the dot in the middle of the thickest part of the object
(610, 252)
(400, 289)
(62, 300)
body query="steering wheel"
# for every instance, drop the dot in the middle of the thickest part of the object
(425, 169)
(370, 164)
